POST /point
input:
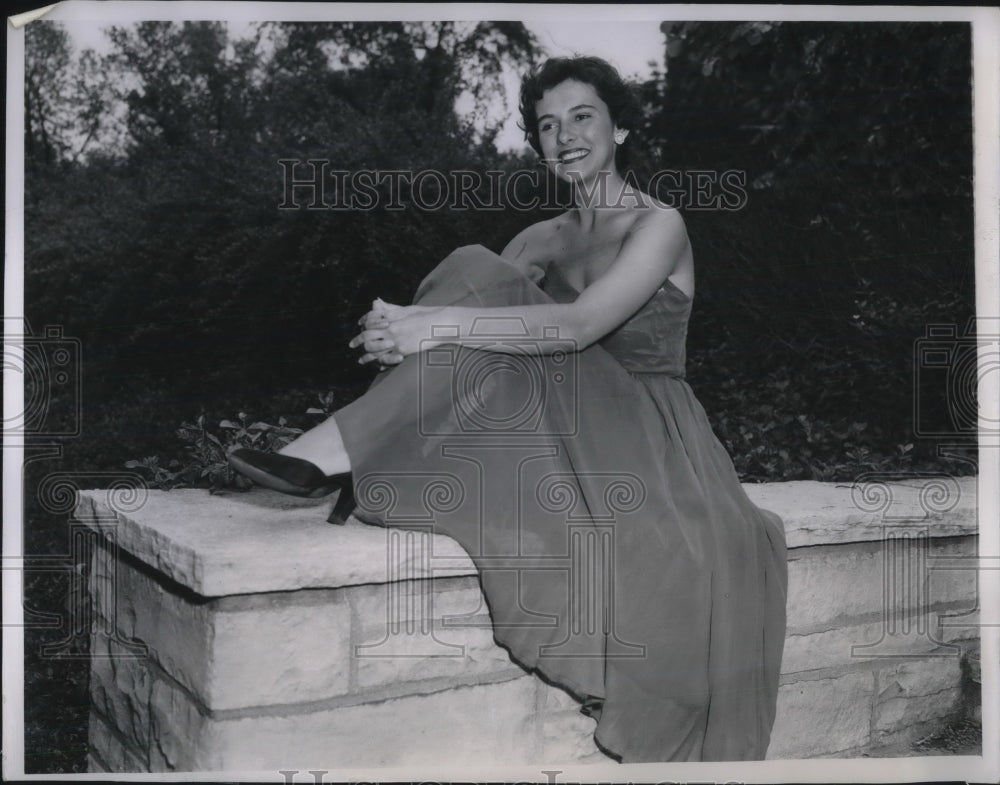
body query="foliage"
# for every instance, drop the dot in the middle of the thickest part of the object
(855, 146)
(207, 451)
(856, 233)
(205, 465)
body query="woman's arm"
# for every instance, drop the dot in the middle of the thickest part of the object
(528, 251)
(655, 247)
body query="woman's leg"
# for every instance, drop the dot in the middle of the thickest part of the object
(322, 446)
(471, 275)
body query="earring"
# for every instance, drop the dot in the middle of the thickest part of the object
(619, 137)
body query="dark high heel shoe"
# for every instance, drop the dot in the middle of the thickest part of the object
(283, 473)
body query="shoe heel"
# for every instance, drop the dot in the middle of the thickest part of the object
(344, 506)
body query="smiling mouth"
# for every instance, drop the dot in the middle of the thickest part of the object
(569, 156)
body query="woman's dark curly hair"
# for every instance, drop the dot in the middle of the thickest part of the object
(619, 95)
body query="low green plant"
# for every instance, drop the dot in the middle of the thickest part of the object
(207, 452)
(207, 449)
(326, 406)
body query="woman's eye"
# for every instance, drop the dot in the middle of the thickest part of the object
(582, 116)
(546, 127)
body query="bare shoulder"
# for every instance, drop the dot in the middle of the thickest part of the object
(653, 215)
(659, 231)
(531, 248)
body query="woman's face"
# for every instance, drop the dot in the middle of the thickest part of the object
(575, 131)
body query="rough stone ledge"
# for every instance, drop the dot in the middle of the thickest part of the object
(821, 513)
(935, 611)
(254, 543)
(262, 541)
(394, 691)
(409, 689)
(119, 755)
(866, 665)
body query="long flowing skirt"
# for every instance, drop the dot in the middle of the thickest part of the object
(617, 550)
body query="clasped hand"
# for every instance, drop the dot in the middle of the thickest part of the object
(392, 332)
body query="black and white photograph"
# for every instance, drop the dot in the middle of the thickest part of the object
(538, 393)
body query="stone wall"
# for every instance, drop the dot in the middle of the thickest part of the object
(243, 632)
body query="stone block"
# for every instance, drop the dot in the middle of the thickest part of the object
(417, 630)
(913, 696)
(248, 543)
(555, 699)
(279, 649)
(182, 735)
(856, 643)
(109, 753)
(953, 573)
(959, 629)
(822, 716)
(568, 737)
(892, 578)
(104, 748)
(239, 652)
(415, 604)
(458, 599)
(462, 656)
(831, 584)
(176, 630)
(818, 513)
(94, 765)
(120, 688)
(479, 725)
(252, 634)
(224, 544)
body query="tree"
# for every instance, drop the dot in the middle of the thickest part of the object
(48, 107)
(856, 231)
(210, 286)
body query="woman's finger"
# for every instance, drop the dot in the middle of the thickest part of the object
(377, 345)
(369, 337)
(374, 341)
(373, 320)
(386, 359)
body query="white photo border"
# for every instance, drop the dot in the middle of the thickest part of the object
(985, 24)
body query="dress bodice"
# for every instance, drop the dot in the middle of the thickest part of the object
(651, 341)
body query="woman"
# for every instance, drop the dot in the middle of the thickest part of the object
(551, 432)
